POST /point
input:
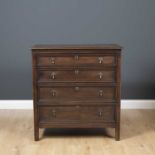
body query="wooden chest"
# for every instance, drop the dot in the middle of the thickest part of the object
(76, 86)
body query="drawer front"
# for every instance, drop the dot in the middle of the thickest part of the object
(58, 113)
(77, 113)
(76, 93)
(76, 75)
(75, 60)
(102, 113)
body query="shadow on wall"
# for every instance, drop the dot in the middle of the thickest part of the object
(143, 84)
(138, 91)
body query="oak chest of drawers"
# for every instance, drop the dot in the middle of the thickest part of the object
(76, 86)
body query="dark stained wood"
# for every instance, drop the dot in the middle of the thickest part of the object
(78, 125)
(76, 46)
(76, 75)
(76, 93)
(81, 102)
(76, 86)
(75, 60)
(47, 84)
(118, 97)
(35, 107)
(51, 114)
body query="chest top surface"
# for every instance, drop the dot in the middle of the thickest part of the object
(76, 46)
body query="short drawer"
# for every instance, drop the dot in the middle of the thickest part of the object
(76, 75)
(76, 93)
(77, 113)
(70, 60)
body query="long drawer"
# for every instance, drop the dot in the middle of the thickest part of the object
(76, 113)
(76, 92)
(75, 59)
(75, 75)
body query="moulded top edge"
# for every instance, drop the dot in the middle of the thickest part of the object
(76, 46)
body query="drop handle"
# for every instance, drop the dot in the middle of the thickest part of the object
(76, 57)
(53, 93)
(76, 72)
(100, 59)
(52, 75)
(101, 93)
(100, 75)
(100, 113)
(77, 88)
(52, 60)
(53, 113)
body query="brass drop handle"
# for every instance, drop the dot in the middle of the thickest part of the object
(53, 113)
(53, 93)
(52, 75)
(101, 93)
(76, 57)
(100, 75)
(76, 72)
(77, 88)
(100, 60)
(52, 60)
(100, 113)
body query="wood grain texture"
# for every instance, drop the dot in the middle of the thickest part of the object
(137, 136)
(76, 73)
(75, 59)
(76, 93)
(76, 114)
